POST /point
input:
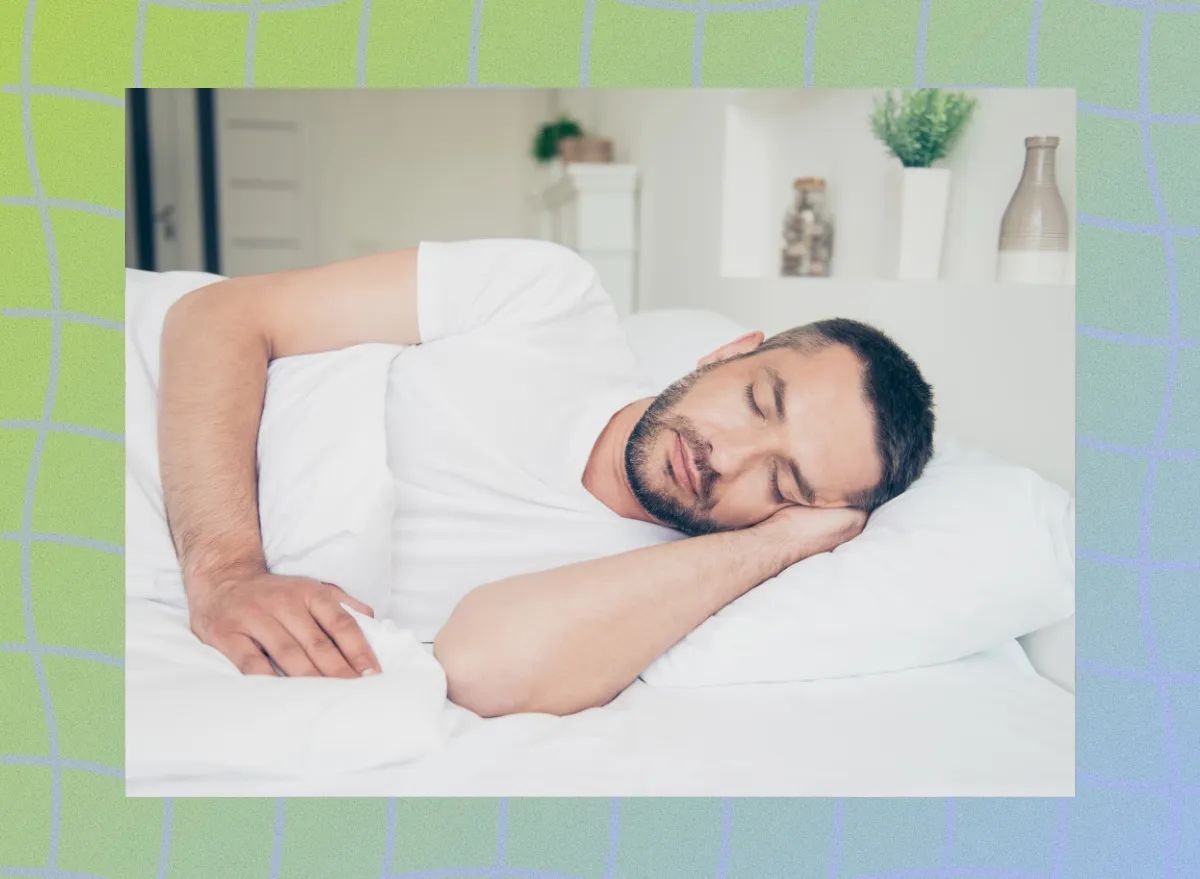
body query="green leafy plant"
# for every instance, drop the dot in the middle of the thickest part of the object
(921, 126)
(545, 144)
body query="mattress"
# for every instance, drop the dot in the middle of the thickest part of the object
(987, 725)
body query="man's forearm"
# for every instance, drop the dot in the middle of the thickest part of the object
(566, 639)
(213, 381)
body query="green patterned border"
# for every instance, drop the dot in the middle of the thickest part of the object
(64, 65)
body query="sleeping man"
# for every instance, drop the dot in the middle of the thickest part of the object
(559, 524)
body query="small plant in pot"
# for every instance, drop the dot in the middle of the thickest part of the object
(565, 139)
(919, 127)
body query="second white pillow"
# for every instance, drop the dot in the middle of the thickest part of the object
(977, 552)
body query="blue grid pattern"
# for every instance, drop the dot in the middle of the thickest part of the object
(254, 8)
(700, 10)
(1173, 789)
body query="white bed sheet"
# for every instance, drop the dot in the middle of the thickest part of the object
(983, 726)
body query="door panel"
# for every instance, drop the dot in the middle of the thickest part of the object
(265, 216)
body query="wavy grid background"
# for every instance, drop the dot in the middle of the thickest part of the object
(63, 67)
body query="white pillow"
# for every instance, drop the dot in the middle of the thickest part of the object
(326, 495)
(978, 552)
(669, 342)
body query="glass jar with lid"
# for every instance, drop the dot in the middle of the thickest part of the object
(807, 231)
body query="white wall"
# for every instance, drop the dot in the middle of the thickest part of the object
(775, 136)
(679, 140)
(675, 139)
(383, 169)
(1001, 359)
(1002, 366)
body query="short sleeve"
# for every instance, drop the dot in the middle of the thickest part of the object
(465, 285)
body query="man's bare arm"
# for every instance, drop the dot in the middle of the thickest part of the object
(216, 345)
(563, 640)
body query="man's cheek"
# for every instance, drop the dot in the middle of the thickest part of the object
(734, 513)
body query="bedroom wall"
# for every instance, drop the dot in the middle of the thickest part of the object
(678, 140)
(1002, 366)
(1001, 359)
(378, 169)
(785, 134)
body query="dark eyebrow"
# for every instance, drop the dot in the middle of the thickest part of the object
(806, 490)
(778, 387)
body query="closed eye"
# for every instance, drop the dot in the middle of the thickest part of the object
(779, 498)
(753, 405)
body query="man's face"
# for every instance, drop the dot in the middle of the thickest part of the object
(734, 442)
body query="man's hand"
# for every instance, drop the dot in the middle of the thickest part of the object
(807, 531)
(299, 623)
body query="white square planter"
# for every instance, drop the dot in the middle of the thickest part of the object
(917, 201)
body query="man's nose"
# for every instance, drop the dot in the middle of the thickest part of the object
(735, 451)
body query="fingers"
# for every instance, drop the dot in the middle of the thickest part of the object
(282, 646)
(317, 644)
(245, 654)
(351, 642)
(293, 627)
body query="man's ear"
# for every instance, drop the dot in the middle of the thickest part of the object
(741, 345)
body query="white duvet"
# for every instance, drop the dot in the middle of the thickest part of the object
(986, 725)
(983, 726)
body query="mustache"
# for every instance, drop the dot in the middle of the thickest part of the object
(700, 449)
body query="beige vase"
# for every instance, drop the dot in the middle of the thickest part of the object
(1035, 230)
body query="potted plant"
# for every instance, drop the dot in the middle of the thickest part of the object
(565, 139)
(919, 128)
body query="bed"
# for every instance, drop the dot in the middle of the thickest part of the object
(986, 725)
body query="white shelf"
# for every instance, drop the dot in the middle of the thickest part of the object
(774, 136)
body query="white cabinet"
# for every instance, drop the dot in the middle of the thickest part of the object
(592, 208)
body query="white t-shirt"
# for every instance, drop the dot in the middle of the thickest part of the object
(492, 418)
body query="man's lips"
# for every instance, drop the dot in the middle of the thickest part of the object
(683, 466)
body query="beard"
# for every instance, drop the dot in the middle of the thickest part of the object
(690, 518)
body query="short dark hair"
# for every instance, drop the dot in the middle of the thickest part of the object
(900, 399)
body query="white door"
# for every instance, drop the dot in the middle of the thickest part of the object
(264, 208)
